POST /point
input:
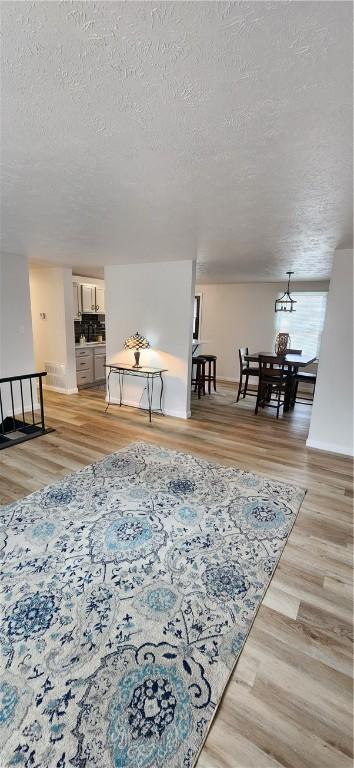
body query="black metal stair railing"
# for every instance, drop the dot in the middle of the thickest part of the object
(22, 423)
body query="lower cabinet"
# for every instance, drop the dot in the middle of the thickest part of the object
(90, 365)
(98, 366)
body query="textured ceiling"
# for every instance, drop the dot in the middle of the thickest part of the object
(156, 131)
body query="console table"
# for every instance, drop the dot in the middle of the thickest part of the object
(150, 374)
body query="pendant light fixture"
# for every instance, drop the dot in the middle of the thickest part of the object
(285, 303)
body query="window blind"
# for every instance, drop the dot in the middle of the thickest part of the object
(305, 325)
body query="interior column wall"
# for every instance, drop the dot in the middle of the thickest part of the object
(331, 427)
(156, 300)
(53, 326)
(16, 343)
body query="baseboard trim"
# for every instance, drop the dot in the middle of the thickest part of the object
(178, 414)
(61, 390)
(330, 447)
(134, 404)
(230, 380)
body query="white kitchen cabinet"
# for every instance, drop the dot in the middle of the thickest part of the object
(99, 359)
(77, 301)
(90, 364)
(92, 299)
(100, 306)
(88, 298)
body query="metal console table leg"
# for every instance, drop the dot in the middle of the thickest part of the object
(108, 391)
(161, 394)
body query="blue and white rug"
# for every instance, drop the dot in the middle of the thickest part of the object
(127, 591)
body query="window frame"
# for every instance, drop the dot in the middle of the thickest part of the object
(197, 318)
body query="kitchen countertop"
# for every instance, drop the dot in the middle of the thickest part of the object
(91, 344)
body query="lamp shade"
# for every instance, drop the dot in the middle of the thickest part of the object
(136, 342)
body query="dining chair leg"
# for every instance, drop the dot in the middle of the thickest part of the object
(258, 398)
(246, 385)
(209, 377)
(214, 375)
(278, 404)
(287, 393)
(239, 389)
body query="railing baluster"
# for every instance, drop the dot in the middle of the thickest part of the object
(23, 410)
(13, 407)
(30, 381)
(2, 414)
(41, 401)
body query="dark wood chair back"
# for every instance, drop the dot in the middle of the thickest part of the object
(241, 356)
(269, 373)
(294, 351)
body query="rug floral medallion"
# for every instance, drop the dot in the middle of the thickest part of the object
(127, 592)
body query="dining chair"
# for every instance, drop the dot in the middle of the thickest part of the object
(304, 378)
(293, 379)
(272, 382)
(245, 370)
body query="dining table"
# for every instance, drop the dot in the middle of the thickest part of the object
(293, 363)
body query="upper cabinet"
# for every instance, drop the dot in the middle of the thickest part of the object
(100, 305)
(77, 301)
(88, 299)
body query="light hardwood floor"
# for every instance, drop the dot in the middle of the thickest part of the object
(289, 701)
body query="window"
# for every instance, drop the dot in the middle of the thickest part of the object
(305, 325)
(196, 317)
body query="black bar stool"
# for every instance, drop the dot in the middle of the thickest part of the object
(210, 372)
(198, 381)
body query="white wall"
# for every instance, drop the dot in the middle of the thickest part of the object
(53, 336)
(331, 426)
(240, 315)
(156, 300)
(16, 347)
(16, 328)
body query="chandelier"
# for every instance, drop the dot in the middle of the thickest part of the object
(285, 303)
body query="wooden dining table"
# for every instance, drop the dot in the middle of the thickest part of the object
(293, 363)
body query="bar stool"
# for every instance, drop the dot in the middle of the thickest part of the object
(210, 373)
(199, 379)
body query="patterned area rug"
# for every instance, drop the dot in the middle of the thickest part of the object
(127, 592)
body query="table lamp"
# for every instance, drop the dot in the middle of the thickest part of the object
(136, 342)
